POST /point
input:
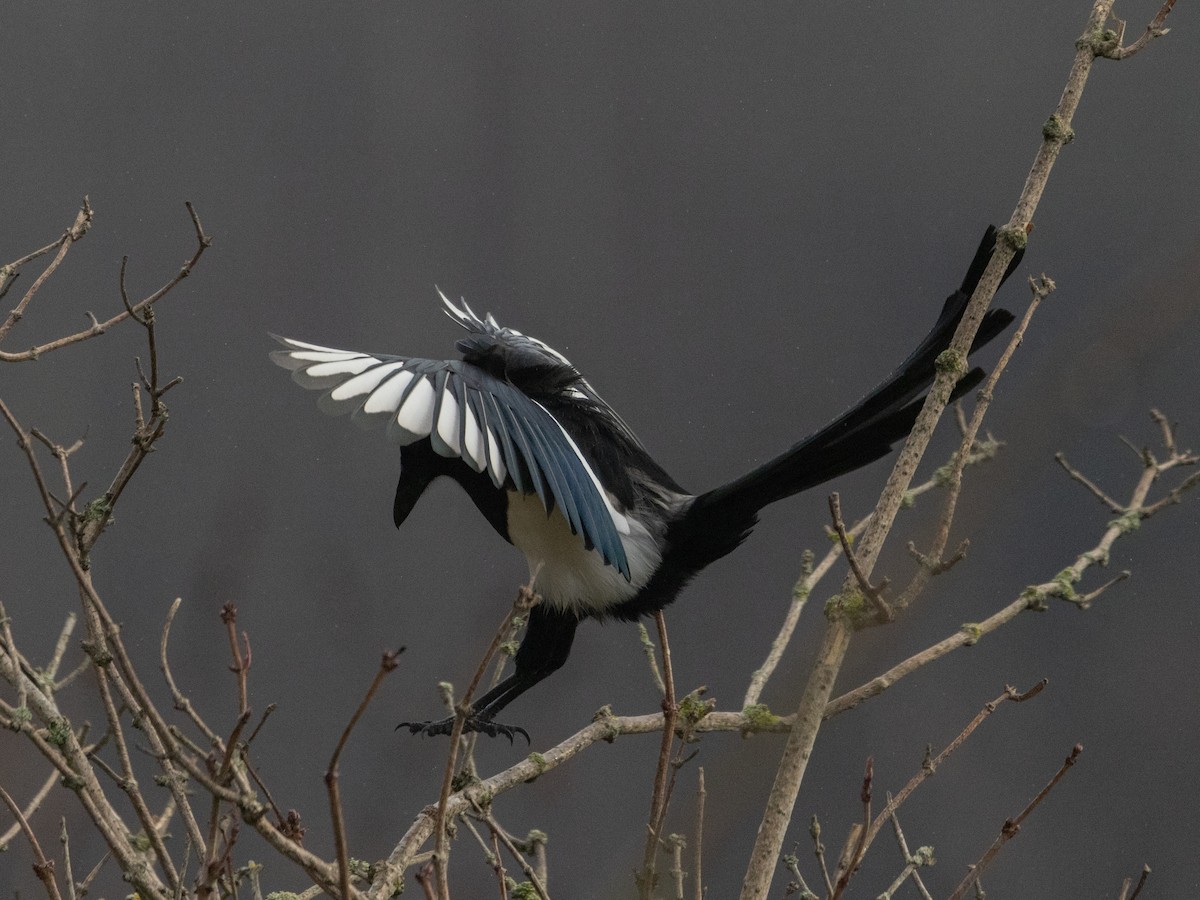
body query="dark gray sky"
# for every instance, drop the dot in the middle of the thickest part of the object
(735, 219)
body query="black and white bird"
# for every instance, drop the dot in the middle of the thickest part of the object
(558, 474)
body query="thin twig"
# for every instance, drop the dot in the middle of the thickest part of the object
(1061, 587)
(860, 848)
(1011, 826)
(1141, 883)
(203, 242)
(182, 703)
(42, 867)
(31, 807)
(60, 647)
(698, 837)
(1153, 30)
(931, 766)
(814, 832)
(912, 863)
(873, 592)
(83, 221)
(651, 660)
(1108, 501)
(502, 835)
(932, 563)
(490, 856)
(386, 665)
(525, 601)
(658, 800)
(675, 845)
(65, 840)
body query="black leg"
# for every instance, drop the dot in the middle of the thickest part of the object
(546, 646)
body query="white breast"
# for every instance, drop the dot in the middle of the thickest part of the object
(568, 576)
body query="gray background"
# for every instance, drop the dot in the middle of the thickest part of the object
(734, 219)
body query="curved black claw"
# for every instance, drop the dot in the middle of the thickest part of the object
(472, 723)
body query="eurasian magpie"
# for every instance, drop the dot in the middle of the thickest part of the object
(558, 474)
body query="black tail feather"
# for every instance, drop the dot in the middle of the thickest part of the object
(721, 519)
(867, 430)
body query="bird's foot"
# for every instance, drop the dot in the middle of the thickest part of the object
(471, 723)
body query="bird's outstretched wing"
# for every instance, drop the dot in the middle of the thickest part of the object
(466, 412)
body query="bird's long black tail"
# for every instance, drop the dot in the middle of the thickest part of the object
(719, 520)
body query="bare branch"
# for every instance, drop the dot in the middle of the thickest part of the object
(874, 593)
(387, 665)
(1089, 484)
(931, 766)
(1010, 828)
(525, 601)
(30, 808)
(1141, 883)
(658, 800)
(1109, 45)
(698, 837)
(42, 867)
(83, 221)
(203, 242)
(501, 835)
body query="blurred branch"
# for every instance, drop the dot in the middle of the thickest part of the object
(30, 808)
(1125, 895)
(698, 836)
(606, 728)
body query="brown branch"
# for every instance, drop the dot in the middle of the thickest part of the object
(658, 801)
(923, 857)
(31, 807)
(525, 601)
(605, 729)
(966, 636)
(127, 781)
(527, 870)
(491, 855)
(1140, 884)
(386, 665)
(83, 221)
(931, 766)
(854, 860)
(873, 592)
(1011, 826)
(1111, 48)
(651, 658)
(698, 838)
(217, 858)
(72, 761)
(42, 867)
(203, 242)
(814, 832)
(932, 563)
(182, 703)
(1088, 483)
(810, 575)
